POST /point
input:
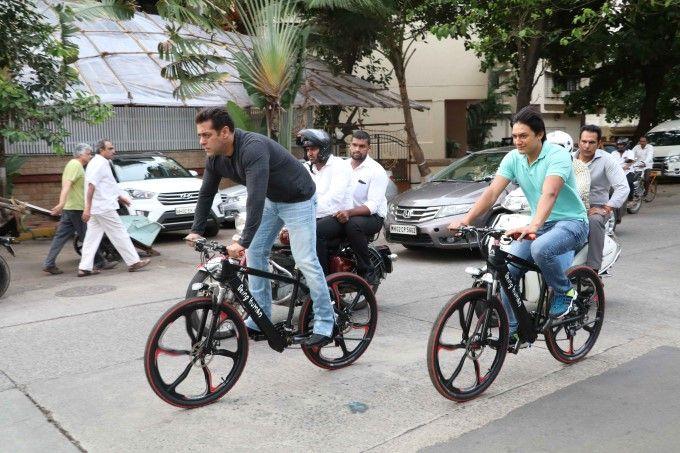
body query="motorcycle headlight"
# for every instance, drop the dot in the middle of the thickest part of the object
(140, 194)
(515, 204)
(454, 209)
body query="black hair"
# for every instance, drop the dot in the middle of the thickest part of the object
(591, 128)
(362, 135)
(219, 117)
(529, 116)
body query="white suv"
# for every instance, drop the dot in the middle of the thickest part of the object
(163, 191)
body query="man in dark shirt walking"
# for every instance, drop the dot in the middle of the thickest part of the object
(280, 191)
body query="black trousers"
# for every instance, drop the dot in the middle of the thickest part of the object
(631, 179)
(356, 231)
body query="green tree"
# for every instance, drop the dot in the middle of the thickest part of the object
(269, 60)
(512, 33)
(38, 85)
(398, 29)
(629, 51)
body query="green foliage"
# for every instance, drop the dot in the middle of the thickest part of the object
(269, 61)
(630, 53)
(38, 85)
(243, 120)
(511, 33)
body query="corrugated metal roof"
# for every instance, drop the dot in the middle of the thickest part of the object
(119, 62)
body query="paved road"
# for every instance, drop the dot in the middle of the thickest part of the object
(71, 375)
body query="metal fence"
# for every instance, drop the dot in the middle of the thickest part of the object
(130, 129)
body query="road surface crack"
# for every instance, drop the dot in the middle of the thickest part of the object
(46, 413)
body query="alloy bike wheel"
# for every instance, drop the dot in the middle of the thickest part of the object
(466, 351)
(356, 314)
(570, 341)
(189, 370)
(650, 195)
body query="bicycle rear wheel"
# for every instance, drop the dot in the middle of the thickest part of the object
(650, 195)
(570, 341)
(188, 369)
(465, 351)
(356, 319)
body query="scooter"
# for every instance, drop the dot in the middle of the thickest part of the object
(341, 259)
(517, 214)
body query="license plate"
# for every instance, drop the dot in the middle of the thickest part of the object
(403, 229)
(187, 210)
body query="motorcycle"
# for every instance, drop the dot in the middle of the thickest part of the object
(517, 214)
(342, 259)
(5, 274)
(634, 205)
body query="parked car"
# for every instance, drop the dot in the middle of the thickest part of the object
(666, 141)
(162, 190)
(419, 217)
(234, 199)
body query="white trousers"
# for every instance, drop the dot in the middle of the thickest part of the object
(109, 223)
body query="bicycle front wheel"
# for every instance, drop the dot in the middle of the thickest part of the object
(356, 313)
(467, 345)
(185, 365)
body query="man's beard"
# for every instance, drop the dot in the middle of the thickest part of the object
(361, 158)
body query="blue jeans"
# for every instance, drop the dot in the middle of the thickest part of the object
(300, 219)
(553, 252)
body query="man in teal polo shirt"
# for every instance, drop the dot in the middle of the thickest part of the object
(559, 220)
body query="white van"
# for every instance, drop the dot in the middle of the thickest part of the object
(666, 141)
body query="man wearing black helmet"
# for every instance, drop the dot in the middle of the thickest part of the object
(333, 178)
(280, 191)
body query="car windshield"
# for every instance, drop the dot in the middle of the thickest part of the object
(152, 167)
(664, 138)
(475, 167)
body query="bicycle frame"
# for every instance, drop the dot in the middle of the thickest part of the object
(497, 262)
(229, 276)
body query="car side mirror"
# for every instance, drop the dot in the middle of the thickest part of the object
(193, 173)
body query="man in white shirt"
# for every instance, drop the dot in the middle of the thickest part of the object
(368, 204)
(625, 158)
(330, 173)
(644, 158)
(101, 202)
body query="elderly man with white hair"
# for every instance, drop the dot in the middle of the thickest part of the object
(70, 206)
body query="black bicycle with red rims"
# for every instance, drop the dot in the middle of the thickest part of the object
(198, 349)
(470, 339)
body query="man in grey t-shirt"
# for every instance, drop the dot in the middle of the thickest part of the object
(605, 174)
(280, 191)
